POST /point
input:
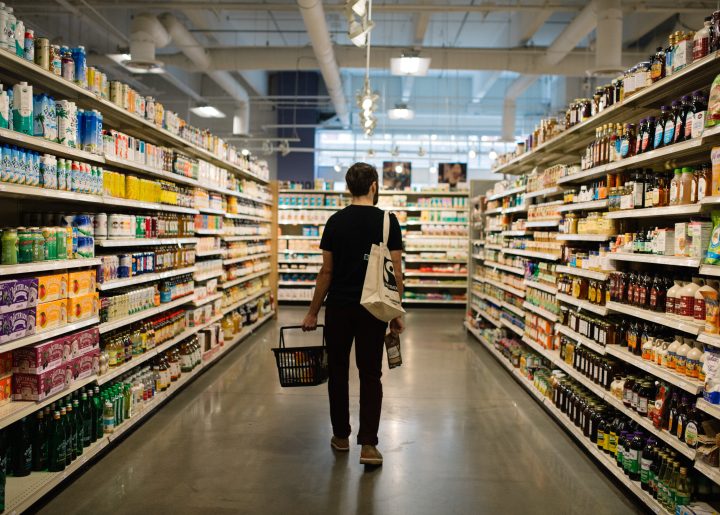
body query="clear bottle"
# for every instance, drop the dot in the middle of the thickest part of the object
(683, 488)
(675, 186)
(688, 187)
(701, 41)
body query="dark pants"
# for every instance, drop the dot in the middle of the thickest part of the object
(343, 324)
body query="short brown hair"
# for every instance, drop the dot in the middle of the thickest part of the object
(360, 177)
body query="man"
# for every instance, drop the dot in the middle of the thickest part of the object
(346, 243)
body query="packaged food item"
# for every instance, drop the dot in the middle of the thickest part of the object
(81, 283)
(52, 287)
(18, 294)
(682, 241)
(51, 315)
(5, 388)
(17, 324)
(84, 341)
(713, 252)
(713, 112)
(36, 387)
(85, 365)
(698, 236)
(80, 308)
(715, 159)
(38, 358)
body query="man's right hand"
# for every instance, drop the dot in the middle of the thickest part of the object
(309, 323)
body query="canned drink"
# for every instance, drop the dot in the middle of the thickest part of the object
(74, 242)
(55, 60)
(61, 243)
(101, 226)
(85, 248)
(68, 64)
(50, 243)
(115, 226)
(116, 93)
(38, 244)
(9, 247)
(42, 53)
(84, 224)
(125, 266)
(25, 245)
(29, 50)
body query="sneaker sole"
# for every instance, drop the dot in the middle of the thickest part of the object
(371, 461)
(340, 449)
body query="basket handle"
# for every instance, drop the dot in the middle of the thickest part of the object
(291, 327)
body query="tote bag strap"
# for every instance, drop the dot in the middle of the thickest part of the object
(386, 228)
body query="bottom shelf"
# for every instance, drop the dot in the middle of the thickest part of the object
(562, 420)
(23, 492)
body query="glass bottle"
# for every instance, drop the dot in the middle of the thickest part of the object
(648, 137)
(660, 125)
(674, 116)
(39, 443)
(657, 68)
(683, 488)
(56, 445)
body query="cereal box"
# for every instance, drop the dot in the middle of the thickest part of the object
(51, 315)
(52, 287)
(18, 294)
(81, 283)
(17, 324)
(80, 308)
(36, 387)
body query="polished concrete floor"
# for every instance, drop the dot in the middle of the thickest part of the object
(458, 434)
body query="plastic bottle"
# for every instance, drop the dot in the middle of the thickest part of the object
(687, 299)
(673, 297)
(674, 115)
(675, 187)
(692, 361)
(108, 417)
(660, 124)
(688, 187)
(672, 352)
(699, 310)
(681, 356)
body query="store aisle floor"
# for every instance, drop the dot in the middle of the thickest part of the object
(458, 434)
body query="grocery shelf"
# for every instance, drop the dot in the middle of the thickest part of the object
(581, 272)
(208, 275)
(44, 266)
(435, 274)
(207, 300)
(142, 315)
(486, 316)
(582, 206)
(299, 237)
(710, 409)
(493, 246)
(507, 193)
(211, 252)
(579, 338)
(244, 301)
(413, 192)
(688, 384)
(655, 259)
(494, 211)
(515, 233)
(300, 261)
(145, 242)
(296, 283)
(252, 218)
(310, 208)
(653, 212)
(418, 208)
(434, 249)
(542, 223)
(16, 410)
(507, 288)
(125, 165)
(584, 237)
(507, 268)
(658, 318)
(478, 256)
(234, 282)
(211, 211)
(433, 286)
(710, 339)
(712, 270)
(436, 260)
(294, 271)
(209, 232)
(435, 222)
(546, 192)
(517, 209)
(282, 252)
(518, 311)
(584, 176)
(249, 257)
(434, 301)
(478, 279)
(512, 327)
(46, 335)
(44, 145)
(144, 278)
(712, 473)
(246, 196)
(530, 253)
(303, 223)
(583, 304)
(540, 286)
(540, 311)
(257, 237)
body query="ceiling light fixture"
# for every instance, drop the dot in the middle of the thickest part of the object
(410, 63)
(359, 7)
(337, 167)
(493, 155)
(398, 168)
(421, 151)
(358, 17)
(284, 148)
(206, 111)
(125, 60)
(401, 112)
(395, 151)
(472, 153)
(245, 152)
(433, 170)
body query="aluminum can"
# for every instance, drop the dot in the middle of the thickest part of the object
(42, 53)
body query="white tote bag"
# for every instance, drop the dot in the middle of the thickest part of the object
(380, 294)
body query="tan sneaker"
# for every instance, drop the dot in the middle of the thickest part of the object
(369, 455)
(340, 444)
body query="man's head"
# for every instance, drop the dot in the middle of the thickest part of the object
(362, 180)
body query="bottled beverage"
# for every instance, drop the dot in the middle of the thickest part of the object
(86, 417)
(56, 445)
(72, 428)
(22, 448)
(99, 414)
(634, 453)
(40, 443)
(108, 417)
(646, 465)
(683, 488)
(660, 124)
(79, 428)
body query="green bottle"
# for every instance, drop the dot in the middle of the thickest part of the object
(56, 445)
(128, 401)
(22, 449)
(93, 418)
(70, 416)
(39, 443)
(98, 403)
(68, 436)
(86, 419)
(79, 426)
(3, 466)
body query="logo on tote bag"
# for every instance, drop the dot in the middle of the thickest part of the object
(389, 275)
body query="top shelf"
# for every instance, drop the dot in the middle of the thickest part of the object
(113, 115)
(698, 75)
(386, 192)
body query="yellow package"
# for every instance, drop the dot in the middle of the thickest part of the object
(81, 283)
(52, 287)
(50, 315)
(80, 308)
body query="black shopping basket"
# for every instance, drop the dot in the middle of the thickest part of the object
(301, 366)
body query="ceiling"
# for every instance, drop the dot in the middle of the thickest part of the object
(482, 52)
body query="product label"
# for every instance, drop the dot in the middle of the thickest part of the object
(687, 306)
(645, 464)
(673, 192)
(645, 142)
(691, 367)
(699, 310)
(658, 136)
(624, 148)
(631, 456)
(698, 124)
(691, 434)
(642, 405)
(702, 188)
(669, 133)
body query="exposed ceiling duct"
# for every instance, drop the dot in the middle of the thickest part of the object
(146, 34)
(313, 15)
(608, 41)
(196, 53)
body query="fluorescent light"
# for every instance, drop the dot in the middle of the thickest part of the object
(433, 137)
(401, 112)
(472, 154)
(398, 168)
(207, 112)
(410, 65)
(245, 152)
(337, 167)
(492, 155)
(433, 170)
(125, 60)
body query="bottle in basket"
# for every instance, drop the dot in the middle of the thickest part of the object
(392, 346)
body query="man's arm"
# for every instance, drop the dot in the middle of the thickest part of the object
(322, 285)
(397, 325)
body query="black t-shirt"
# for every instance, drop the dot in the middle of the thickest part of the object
(349, 234)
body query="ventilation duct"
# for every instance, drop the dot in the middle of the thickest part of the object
(146, 34)
(608, 41)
